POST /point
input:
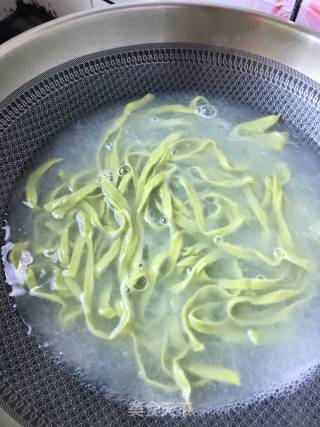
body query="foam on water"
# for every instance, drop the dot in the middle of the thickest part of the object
(263, 369)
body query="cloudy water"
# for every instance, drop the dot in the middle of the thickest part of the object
(265, 353)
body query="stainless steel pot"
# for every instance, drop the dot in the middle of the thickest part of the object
(64, 39)
(254, 59)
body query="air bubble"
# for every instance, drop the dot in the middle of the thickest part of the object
(140, 283)
(163, 220)
(6, 230)
(109, 145)
(172, 152)
(279, 253)
(54, 256)
(78, 371)
(106, 176)
(206, 110)
(188, 271)
(154, 119)
(124, 170)
(218, 239)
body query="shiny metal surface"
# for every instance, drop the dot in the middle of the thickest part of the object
(61, 40)
(6, 420)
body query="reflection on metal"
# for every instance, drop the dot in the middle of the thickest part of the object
(45, 47)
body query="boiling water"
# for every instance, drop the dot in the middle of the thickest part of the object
(263, 368)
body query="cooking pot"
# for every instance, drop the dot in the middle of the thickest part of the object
(52, 75)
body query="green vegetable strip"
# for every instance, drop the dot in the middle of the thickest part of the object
(142, 372)
(64, 247)
(198, 100)
(275, 140)
(225, 183)
(74, 183)
(157, 158)
(285, 234)
(73, 287)
(128, 248)
(165, 109)
(73, 266)
(167, 205)
(257, 126)
(95, 221)
(248, 254)
(196, 271)
(256, 129)
(15, 253)
(182, 382)
(59, 207)
(174, 253)
(108, 257)
(58, 190)
(216, 374)
(262, 317)
(257, 209)
(213, 148)
(197, 209)
(151, 185)
(247, 283)
(118, 123)
(33, 180)
(208, 327)
(105, 308)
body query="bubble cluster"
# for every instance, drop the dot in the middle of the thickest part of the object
(124, 170)
(105, 176)
(279, 253)
(206, 110)
(108, 176)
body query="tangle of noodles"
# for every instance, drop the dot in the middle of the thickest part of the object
(96, 225)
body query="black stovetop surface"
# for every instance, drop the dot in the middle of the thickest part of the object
(24, 18)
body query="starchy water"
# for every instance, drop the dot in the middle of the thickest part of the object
(295, 344)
